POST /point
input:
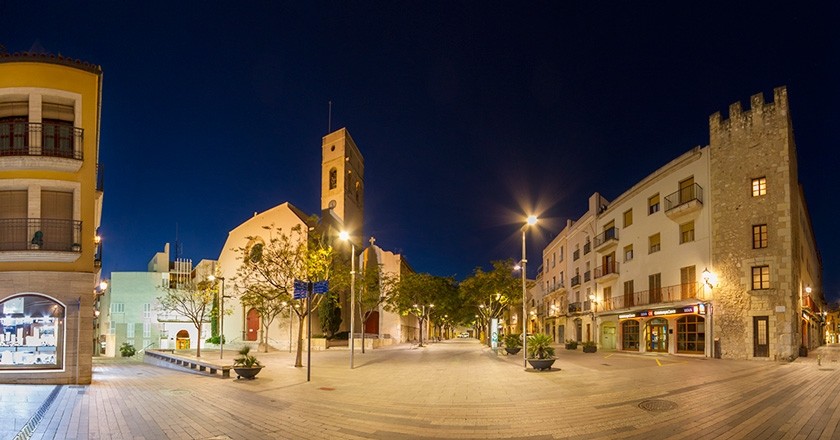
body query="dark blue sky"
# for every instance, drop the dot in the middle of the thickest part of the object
(468, 113)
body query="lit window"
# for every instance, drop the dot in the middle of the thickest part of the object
(653, 204)
(653, 243)
(687, 232)
(759, 236)
(759, 186)
(628, 217)
(129, 331)
(34, 333)
(760, 277)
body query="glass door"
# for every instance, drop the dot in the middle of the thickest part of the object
(656, 336)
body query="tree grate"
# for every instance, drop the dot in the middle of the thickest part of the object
(657, 405)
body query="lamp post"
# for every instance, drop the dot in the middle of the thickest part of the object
(221, 315)
(345, 236)
(532, 220)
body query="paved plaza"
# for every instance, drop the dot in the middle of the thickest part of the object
(451, 389)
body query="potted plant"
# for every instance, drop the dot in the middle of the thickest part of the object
(513, 343)
(571, 344)
(540, 351)
(127, 350)
(246, 365)
(589, 347)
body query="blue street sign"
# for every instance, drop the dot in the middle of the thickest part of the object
(300, 289)
(321, 287)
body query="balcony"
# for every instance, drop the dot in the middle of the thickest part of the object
(587, 276)
(36, 145)
(559, 287)
(607, 240)
(35, 239)
(667, 294)
(576, 255)
(575, 307)
(575, 280)
(684, 202)
(607, 272)
(587, 247)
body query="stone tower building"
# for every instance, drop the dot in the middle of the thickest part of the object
(343, 181)
(760, 233)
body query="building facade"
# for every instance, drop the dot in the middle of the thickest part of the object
(50, 209)
(712, 255)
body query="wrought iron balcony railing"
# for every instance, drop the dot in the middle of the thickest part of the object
(607, 269)
(607, 235)
(654, 296)
(20, 234)
(574, 307)
(19, 138)
(683, 196)
(575, 280)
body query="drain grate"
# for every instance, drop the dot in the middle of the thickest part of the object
(657, 405)
(28, 429)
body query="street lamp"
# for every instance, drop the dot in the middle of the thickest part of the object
(532, 220)
(345, 236)
(213, 278)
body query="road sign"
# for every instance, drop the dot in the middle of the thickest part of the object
(300, 289)
(321, 287)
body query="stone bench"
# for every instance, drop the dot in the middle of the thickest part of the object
(168, 356)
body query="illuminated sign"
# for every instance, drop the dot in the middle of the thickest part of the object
(698, 308)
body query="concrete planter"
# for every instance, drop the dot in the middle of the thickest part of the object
(247, 372)
(541, 364)
(513, 350)
(591, 349)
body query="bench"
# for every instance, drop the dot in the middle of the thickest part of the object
(163, 357)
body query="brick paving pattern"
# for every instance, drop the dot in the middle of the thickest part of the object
(451, 389)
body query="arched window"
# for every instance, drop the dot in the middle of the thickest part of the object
(254, 249)
(691, 334)
(333, 178)
(33, 333)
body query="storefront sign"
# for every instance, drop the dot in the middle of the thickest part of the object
(697, 308)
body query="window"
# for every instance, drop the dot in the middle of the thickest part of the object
(553, 260)
(691, 334)
(112, 327)
(129, 330)
(561, 254)
(333, 178)
(653, 204)
(687, 232)
(14, 233)
(653, 243)
(587, 246)
(655, 287)
(117, 307)
(759, 236)
(630, 335)
(147, 331)
(147, 311)
(576, 254)
(760, 277)
(628, 253)
(628, 217)
(688, 282)
(629, 299)
(759, 186)
(34, 333)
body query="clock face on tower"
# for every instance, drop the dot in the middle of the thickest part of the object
(332, 204)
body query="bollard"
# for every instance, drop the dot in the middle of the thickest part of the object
(819, 360)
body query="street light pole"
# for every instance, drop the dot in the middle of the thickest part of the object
(532, 219)
(346, 236)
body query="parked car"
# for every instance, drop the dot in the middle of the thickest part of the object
(464, 335)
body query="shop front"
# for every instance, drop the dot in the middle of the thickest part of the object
(32, 333)
(675, 330)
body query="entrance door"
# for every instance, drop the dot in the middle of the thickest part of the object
(656, 336)
(182, 340)
(372, 324)
(578, 330)
(608, 336)
(253, 325)
(761, 336)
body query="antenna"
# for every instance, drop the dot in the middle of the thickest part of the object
(329, 118)
(177, 243)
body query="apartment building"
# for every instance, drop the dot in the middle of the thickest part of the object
(50, 210)
(712, 254)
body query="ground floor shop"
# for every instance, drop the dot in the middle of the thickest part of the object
(675, 330)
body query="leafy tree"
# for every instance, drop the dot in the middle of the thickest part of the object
(268, 271)
(409, 293)
(369, 289)
(191, 299)
(329, 314)
(491, 293)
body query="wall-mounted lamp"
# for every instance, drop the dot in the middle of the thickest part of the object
(808, 289)
(709, 278)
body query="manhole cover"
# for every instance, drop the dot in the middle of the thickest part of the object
(657, 405)
(326, 389)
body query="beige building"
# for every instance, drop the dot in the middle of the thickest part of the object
(713, 254)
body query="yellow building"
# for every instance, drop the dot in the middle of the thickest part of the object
(50, 210)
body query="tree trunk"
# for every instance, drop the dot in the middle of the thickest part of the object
(364, 320)
(198, 341)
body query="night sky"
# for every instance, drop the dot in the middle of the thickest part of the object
(468, 114)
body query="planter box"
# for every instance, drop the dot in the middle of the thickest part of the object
(571, 346)
(592, 349)
(513, 350)
(247, 372)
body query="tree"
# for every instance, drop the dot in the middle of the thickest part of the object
(329, 314)
(191, 299)
(369, 287)
(491, 293)
(268, 271)
(415, 293)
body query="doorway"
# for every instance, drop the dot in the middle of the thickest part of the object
(761, 336)
(656, 336)
(608, 336)
(372, 324)
(252, 325)
(182, 340)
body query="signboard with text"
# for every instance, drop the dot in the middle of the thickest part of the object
(684, 310)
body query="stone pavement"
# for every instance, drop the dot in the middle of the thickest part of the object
(451, 389)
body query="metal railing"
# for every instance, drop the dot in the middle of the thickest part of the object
(607, 235)
(683, 196)
(19, 234)
(607, 269)
(574, 307)
(40, 139)
(587, 247)
(654, 296)
(575, 280)
(576, 255)
(587, 275)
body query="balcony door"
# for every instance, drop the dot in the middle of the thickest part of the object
(688, 282)
(686, 190)
(14, 234)
(57, 220)
(655, 288)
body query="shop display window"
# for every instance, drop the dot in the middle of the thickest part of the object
(32, 333)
